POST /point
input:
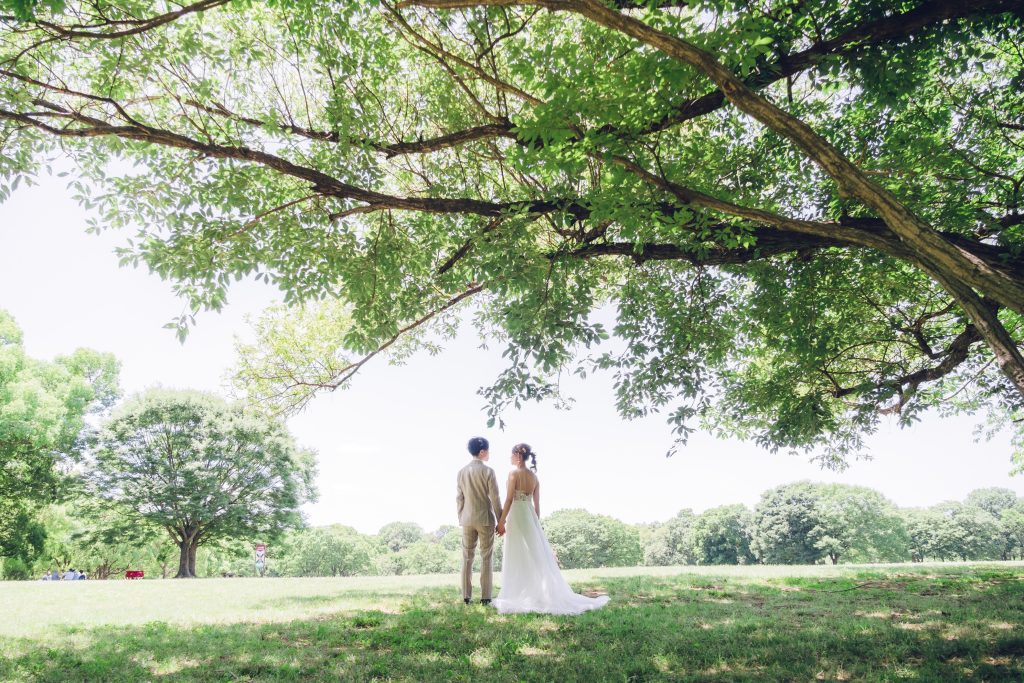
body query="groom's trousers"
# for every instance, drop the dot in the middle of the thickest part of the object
(470, 536)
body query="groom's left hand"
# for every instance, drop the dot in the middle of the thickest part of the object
(500, 530)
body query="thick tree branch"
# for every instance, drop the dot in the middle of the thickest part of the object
(447, 141)
(996, 256)
(883, 241)
(388, 149)
(768, 243)
(320, 182)
(136, 26)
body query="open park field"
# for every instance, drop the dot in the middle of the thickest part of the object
(871, 623)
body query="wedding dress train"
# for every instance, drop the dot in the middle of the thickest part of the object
(530, 578)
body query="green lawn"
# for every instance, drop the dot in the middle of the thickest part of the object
(917, 622)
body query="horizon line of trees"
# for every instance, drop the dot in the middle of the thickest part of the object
(796, 523)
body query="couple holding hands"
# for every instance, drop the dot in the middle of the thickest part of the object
(530, 578)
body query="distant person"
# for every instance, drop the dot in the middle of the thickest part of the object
(479, 507)
(530, 579)
(70, 574)
(54, 575)
(82, 576)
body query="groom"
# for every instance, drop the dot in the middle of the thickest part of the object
(479, 510)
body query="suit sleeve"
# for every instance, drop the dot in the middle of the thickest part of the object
(460, 497)
(492, 491)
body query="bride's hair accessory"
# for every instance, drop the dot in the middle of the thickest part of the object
(524, 451)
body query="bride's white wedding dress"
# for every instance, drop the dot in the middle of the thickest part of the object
(530, 578)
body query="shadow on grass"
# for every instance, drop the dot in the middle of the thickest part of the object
(672, 629)
(354, 597)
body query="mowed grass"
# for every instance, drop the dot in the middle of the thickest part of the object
(870, 623)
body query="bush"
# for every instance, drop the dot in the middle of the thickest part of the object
(721, 535)
(428, 557)
(15, 569)
(583, 539)
(389, 564)
(398, 535)
(327, 551)
(670, 543)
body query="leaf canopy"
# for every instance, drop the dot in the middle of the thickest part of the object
(777, 221)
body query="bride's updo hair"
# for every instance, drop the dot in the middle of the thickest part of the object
(524, 451)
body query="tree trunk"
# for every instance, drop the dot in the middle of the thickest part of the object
(192, 558)
(183, 564)
(163, 570)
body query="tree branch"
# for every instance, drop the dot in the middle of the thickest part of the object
(321, 182)
(768, 243)
(388, 149)
(138, 25)
(952, 357)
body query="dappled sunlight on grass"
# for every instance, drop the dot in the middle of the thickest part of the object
(918, 626)
(168, 666)
(1003, 626)
(675, 626)
(482, 658)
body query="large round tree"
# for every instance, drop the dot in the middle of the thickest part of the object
(803, 215)
(200, 469)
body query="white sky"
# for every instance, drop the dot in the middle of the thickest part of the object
(389, 447)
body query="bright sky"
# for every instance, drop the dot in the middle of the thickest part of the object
(389, 447)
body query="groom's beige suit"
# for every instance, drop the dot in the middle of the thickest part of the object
(479, 510)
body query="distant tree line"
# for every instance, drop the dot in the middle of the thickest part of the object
(798, 523)
(808, 523)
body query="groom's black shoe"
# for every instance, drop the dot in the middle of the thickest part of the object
(466, 600)
(485, 602)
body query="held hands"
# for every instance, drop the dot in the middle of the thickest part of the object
(500, 530)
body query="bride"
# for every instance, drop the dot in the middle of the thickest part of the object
(530, 578)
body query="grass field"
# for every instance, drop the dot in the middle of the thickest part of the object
(897, 622)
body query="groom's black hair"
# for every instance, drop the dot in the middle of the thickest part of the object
(477, 444)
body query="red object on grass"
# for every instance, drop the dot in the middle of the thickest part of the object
(134, 574)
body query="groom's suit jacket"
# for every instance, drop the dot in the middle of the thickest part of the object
(477, 497)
